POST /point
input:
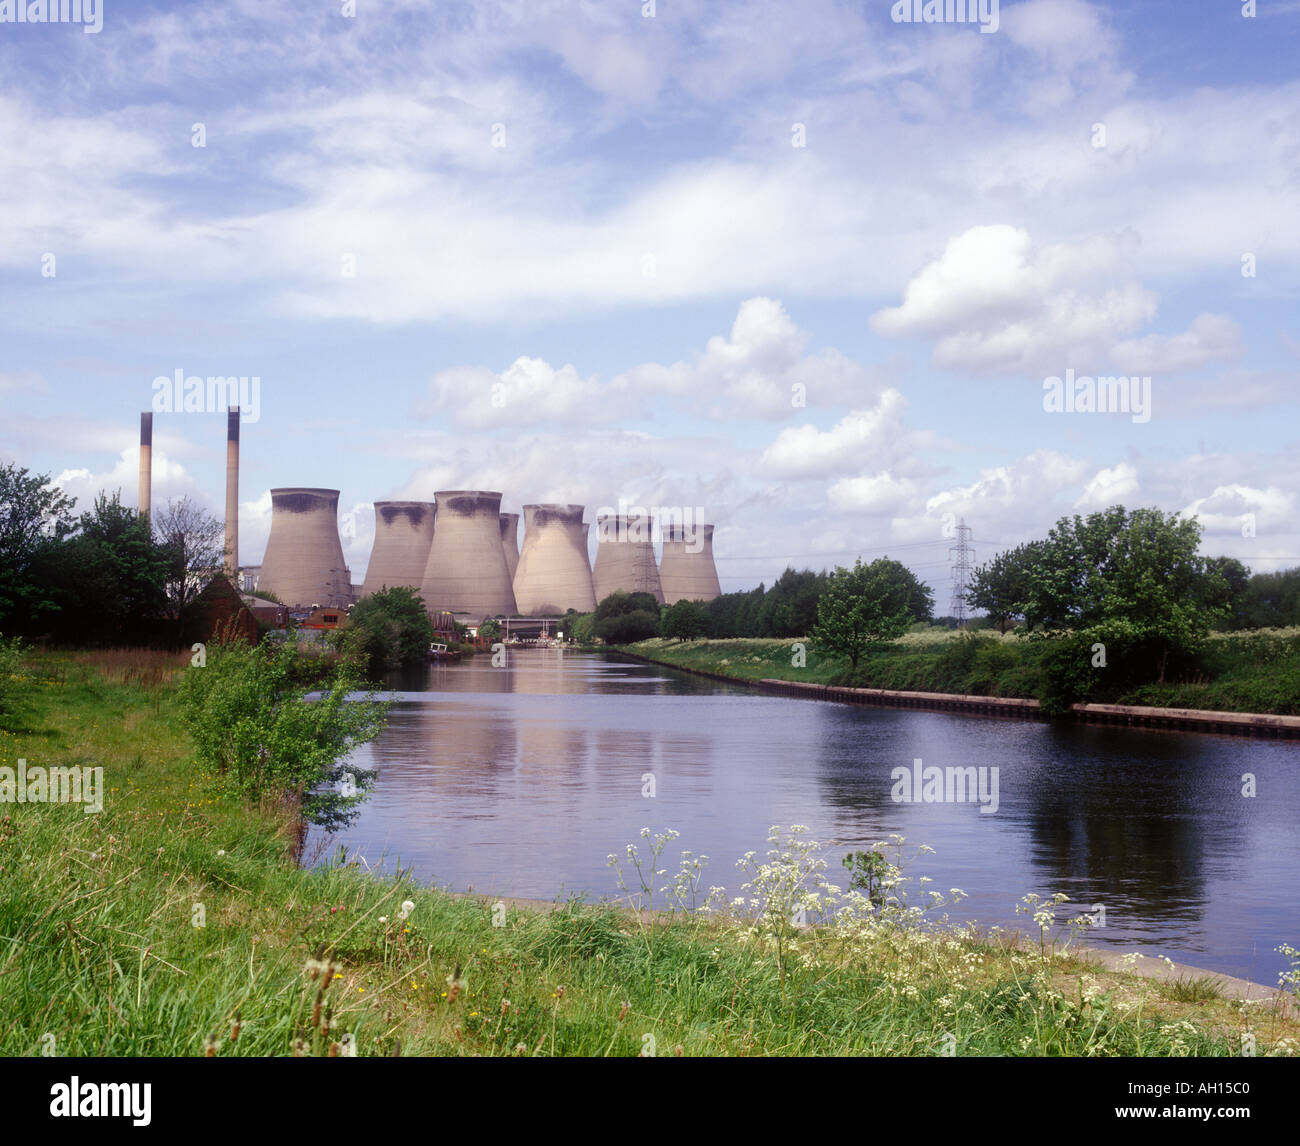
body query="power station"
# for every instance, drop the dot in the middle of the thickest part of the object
(554, 573)
(466, 573)
(403, 537)
(304, 557)
(686, 569)
(510, 542)
(460, 551)
(625, 556)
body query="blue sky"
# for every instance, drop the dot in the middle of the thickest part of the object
(602, 219)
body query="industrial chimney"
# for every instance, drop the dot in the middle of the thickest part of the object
(466, 572)
(510, 541)
(232, 494)
(625, 556)
(146, 462)
(554, 573)
(403, 534)
(304, 557)
(686, 568)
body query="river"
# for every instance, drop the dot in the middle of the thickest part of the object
(521, 780)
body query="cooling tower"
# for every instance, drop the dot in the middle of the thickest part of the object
(232, 491)
(403, 534)
(684, 574)
(510, 541)
(304, 558)
(466, 572)
(146, 463)
(625, 557)
(554, 573)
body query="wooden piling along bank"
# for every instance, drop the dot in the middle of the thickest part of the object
(1137, 716)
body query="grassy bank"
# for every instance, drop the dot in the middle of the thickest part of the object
(1256, 671)
(99, 954)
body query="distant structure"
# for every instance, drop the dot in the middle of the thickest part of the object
(304, 557)
(146, 463)
(510, 541)
(625, 556)
(466, 573)
(686, 569)
(961, 556)
(554, 573)
(403, 537)
(232, 492)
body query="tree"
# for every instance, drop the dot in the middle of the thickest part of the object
(1135, 578)
(1229, 592)
(110, 575)
(195, 543)
(683, 621)
(34, 518)
(622, 618)
(869, 605)
(387, 630)
(490, 629)
(1001, 587)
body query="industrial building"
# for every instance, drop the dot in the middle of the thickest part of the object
(686, 568)
(403, 537)
(625, 556)
(466, 573)
(554, 573)
(460, 551)
(304, 556)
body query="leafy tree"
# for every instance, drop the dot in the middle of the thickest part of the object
(1229, 593)
(869, 605)
(490, 629)
(34, 518)
(110, 575)
(683, 621)
(1271, 600)
(1001, 587)
(1136, 575)
(387, 630)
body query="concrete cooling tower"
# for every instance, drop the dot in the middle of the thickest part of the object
(686, 568)
(466, 573)
(554, 573)
(625, 557)
(304, 558)
(403, 535)
(510, 541)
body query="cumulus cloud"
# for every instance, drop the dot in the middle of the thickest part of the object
(995, 302)
(761, 370)
(528, 391)
(1112, 486)
(1210, 337)
(803, 452)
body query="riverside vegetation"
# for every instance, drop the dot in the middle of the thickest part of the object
(177, 921)
(1250, 671)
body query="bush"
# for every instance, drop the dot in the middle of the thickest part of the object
(256, 729)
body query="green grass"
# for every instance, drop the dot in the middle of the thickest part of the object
(98, 950)
(1236, 672)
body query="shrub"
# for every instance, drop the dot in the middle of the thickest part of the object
(256, 729)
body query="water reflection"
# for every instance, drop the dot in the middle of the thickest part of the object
(522, 779)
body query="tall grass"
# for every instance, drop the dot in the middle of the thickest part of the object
(175, 923)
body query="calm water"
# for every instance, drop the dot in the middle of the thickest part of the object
(522, 780)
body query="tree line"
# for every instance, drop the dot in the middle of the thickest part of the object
(106, 575)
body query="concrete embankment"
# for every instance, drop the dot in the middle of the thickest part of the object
(1188, 719)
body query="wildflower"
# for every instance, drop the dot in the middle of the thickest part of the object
(383, 919)
(455, 984)
(505, 1005)
(221, 852)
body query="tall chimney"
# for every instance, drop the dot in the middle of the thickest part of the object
(232, 494)
(146, 462)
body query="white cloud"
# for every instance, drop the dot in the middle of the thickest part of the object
(1210, 337)
(997, 303)
(804, 452)
(1116, 485)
